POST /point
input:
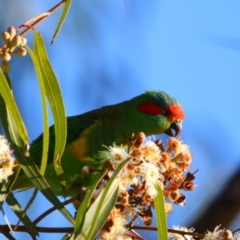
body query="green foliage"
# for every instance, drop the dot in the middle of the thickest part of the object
(98, 212)
(160, 215)
(11, 107)
(53, 93)
(62, 18)
(17, 135)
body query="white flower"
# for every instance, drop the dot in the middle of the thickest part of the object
(177, 236)
(6, 169)
(4, 148)
(117, 230)
(6, 160)
(215, 234)
(149, 173)
(117, 154)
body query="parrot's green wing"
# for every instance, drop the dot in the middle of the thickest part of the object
(75, 126)
(72, 166)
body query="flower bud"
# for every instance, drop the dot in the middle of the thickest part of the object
(108, 165)
(147, 216)
(108, 225)
(172, 186)
(189, 176)
(6, 56)
(228, 234)
(5, 36)
(21, 52)
(130, 166)
(16, 41)
(173, 196)
(120, 207)
(188, 186)
(147, 198)
(12, 32)
(159, 143)
(180, 200)
(24, 41)
(140, 139)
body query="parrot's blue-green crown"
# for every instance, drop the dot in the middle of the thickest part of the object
(160, 103)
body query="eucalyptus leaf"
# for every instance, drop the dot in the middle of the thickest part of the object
(101, 208)
(160, 215)
(80, 217)
(62, 18)
(17, 209)
(54, 96)
(7, 95)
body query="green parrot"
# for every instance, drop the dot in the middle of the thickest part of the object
(87, 134)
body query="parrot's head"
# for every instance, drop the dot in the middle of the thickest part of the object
(163, 109)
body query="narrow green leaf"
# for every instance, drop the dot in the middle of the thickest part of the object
(160, 215)
(104, 206)
(9, 100)
(80, 217)
(31, 200)
(54, 96)
(101, 208)
(62, 18)
(15, 206)
(45, 112)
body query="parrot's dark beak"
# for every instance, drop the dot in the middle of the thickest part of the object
(174, 129)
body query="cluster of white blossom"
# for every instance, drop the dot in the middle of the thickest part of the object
(6, 160)
(217, 234)
(150, 164)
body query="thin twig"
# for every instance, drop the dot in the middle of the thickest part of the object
(136, 235)
(29, 203)
(50, 210)
(8, 235)
(39, 18)
(199, 235)
(4, 229)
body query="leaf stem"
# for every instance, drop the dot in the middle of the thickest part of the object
(38, 19)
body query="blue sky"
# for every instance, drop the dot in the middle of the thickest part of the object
(110, 51)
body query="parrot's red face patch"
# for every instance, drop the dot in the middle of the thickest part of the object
(150, 108)
(176, 112)
(173, 113)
